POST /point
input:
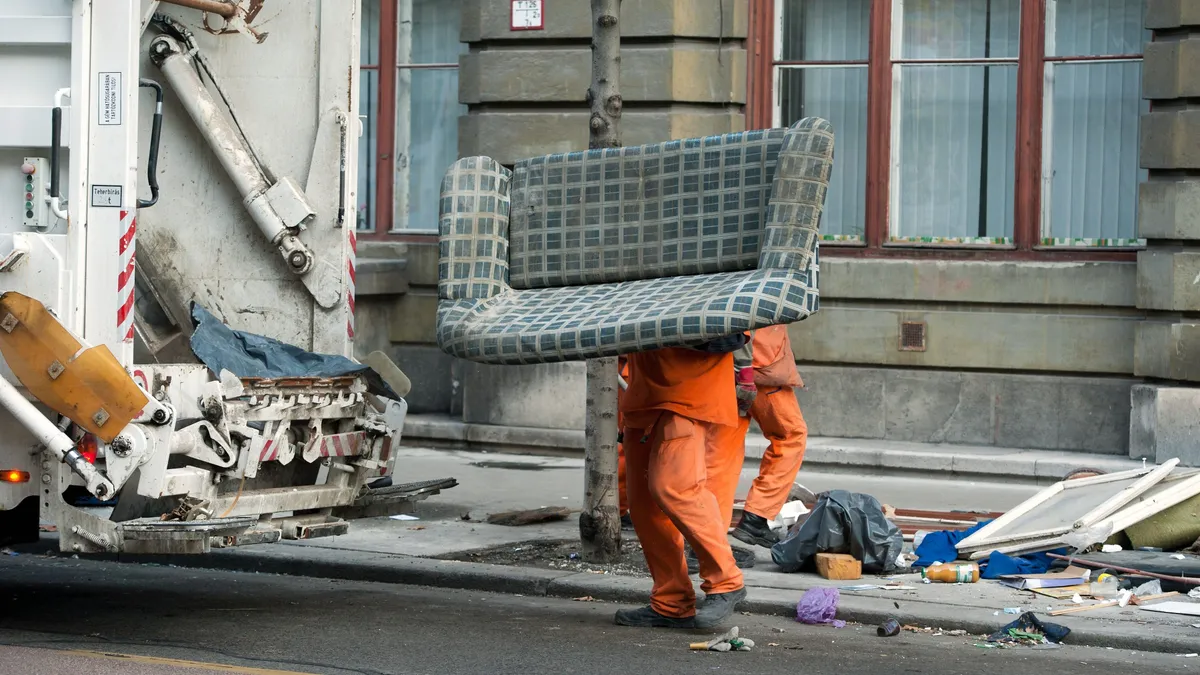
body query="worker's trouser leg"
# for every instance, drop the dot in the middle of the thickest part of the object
(669, 501)
(622, 490)
(778, 415)
(725, 454)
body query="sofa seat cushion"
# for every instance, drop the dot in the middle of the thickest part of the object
(545, 325)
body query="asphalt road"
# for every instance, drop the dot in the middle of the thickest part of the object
(73, 616)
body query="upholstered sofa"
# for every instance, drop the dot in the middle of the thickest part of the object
(605, 252)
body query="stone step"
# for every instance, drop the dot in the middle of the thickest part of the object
(859, 455)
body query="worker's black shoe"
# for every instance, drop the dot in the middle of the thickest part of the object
(755, 530)
(645, 617)
(626, 522)
(717, 607)
(743, 558)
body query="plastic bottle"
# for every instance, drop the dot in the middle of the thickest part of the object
(967, 573)
(1105, 586)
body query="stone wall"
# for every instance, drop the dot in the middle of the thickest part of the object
(1017, 354)
(1166, 411)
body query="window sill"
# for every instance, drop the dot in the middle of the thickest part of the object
(991, 243)
(982, 253)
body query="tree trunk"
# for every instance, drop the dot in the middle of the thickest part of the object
(604, 95)
(600, 521)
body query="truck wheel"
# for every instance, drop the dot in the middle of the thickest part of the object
(20, 525)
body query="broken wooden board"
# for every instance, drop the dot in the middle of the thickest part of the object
(1064, 506)
(1066, 592)
(545, 514)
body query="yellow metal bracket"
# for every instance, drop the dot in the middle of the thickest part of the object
(86, 384)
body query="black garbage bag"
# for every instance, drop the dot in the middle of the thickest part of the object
(248, 355)
(842, 522)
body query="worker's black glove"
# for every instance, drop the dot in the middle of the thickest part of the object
(724, 345)
(746, 390)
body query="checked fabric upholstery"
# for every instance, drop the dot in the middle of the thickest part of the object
(576, 256)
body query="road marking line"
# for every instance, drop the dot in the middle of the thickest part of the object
(154, 660)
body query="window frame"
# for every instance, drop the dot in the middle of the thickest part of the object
(385, 122)
(1032, 135)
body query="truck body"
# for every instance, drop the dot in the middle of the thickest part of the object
(154, 158)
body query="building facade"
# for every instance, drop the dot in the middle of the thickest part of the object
(1010, 239)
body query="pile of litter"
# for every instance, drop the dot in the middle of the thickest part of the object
(1029, 631)
(1119, 540)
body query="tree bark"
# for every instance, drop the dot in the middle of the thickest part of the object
(604, 95)
(600, 521)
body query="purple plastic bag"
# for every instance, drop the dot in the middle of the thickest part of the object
(819, 605)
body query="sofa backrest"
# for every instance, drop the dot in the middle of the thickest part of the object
(678, 208)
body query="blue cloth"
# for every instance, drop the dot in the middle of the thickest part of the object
(248, 355)
(998, 565)
(939, 547)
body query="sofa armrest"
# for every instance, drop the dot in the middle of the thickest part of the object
(798, 196)
(473, 230)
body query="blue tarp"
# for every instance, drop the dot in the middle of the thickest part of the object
(248, 355)
(939, 547)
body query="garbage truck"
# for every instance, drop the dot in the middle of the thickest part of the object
(177, 254)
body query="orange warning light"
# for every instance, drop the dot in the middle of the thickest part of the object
(14, 476)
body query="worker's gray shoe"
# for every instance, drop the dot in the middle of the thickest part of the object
(743, 558)
(645, 617)
(753, 529)
(717, 607)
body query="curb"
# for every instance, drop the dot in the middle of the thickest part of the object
(399, 569)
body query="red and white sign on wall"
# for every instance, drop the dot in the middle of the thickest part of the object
(528, 15)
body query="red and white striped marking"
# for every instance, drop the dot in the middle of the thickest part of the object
(125, 294)
(385, 453)
(350, 286)
(270, 451)
(341, 445)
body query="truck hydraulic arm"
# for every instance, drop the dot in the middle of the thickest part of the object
(56, 442)
(280, 209)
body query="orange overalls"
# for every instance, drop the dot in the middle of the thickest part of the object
(675, 397)
(778, 414)
(622, 492)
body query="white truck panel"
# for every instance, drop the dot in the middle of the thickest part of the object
(199, 243)
(254, 220)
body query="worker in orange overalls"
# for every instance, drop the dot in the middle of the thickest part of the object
(622, 492)
(743, 557)
(768, 387)
(675, 397)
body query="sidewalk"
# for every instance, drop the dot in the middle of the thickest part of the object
(395, 551)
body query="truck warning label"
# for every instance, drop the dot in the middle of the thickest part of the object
(108, 196)
(109, 99)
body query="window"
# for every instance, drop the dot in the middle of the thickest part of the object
(954, 116)
(995, 124)
(822, 72)
(411, 127)
(1093, 103)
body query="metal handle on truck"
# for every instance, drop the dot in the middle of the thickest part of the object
(155, 137)
(55, 142)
